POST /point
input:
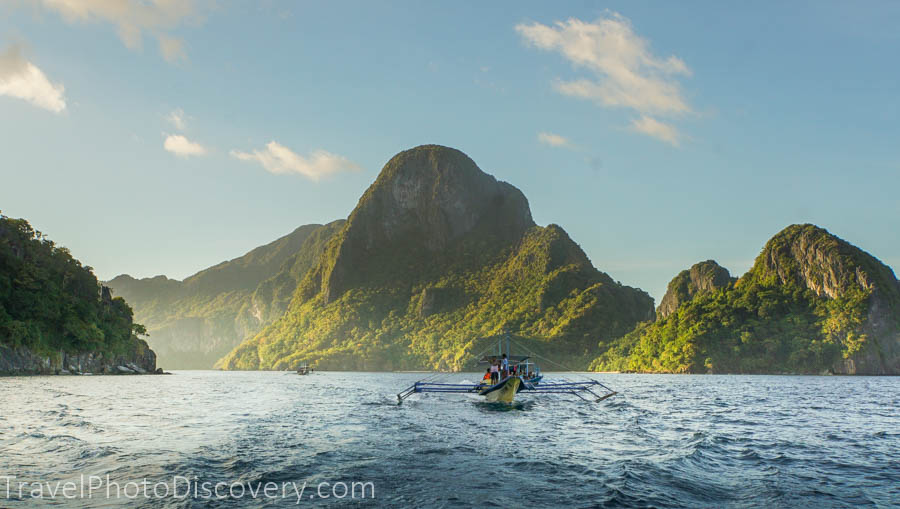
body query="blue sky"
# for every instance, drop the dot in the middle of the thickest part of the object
(164, 137)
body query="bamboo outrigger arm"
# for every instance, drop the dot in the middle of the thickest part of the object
(565, 387)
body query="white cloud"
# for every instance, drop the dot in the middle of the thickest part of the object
(656, 129)
(21, 79)
(554, 140)
(132, 18)
(183, 147)
(177, 119)
(172, 49)
(278, 159)
(623, 72)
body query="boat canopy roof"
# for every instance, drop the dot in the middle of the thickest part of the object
(487, 359)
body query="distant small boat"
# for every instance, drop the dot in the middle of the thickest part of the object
(304, 369)
(521, 375)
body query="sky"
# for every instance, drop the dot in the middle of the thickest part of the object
(165, 136)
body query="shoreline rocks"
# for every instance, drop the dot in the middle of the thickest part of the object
(140, 360)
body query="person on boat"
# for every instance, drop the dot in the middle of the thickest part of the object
(495, 372)
(504, 363)
(487, 375)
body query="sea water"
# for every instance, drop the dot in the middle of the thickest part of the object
(253, 439)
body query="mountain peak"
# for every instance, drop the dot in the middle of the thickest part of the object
(429, 158)
(428, 199)
(442, 191)
(701, 278)
(437, 257)
(814, 258)
(811, 303)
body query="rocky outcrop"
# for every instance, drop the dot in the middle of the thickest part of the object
(423, 200)
(829, 266)
(139, 359)
(701, 278)
(812, 303)
(810, 257)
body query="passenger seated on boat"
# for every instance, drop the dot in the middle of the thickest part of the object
(487, 375)
(495, 373)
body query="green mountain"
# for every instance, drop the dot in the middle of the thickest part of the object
(701, 278)
(55, 315)
(436, 258)
(811, 303)
(193, 323)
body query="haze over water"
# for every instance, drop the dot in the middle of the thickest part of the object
(665, 441)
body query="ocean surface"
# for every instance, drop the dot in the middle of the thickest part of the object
(664, 441)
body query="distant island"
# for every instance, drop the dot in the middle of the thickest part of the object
(438, 258)
(55, 317)
(812, 303)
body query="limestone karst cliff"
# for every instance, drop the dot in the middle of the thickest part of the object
(811, 303)
(436, 257)
(701, 278)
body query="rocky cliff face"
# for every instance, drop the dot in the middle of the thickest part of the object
(829, 266)
(701, 278)
(423, 200)
(810, 257)
(138, 359)
(436, 256)
(812, 303)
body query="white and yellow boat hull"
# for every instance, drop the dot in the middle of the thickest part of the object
(504, 391)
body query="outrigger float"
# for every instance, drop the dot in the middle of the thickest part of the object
(523, 376)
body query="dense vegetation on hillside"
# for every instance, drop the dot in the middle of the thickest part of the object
(437, 257)
(701, 278)
(50, 302)
(193, 323)
(811, 303)
(558, 305)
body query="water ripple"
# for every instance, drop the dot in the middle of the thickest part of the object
(665, 441)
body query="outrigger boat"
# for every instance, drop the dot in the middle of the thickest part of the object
(304, 369)
(523, 376)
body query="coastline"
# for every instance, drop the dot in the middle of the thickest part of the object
(138, 359)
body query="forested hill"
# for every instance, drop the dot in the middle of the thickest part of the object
(811, 303)
(52, 306)
(436, 255)
(193, 323)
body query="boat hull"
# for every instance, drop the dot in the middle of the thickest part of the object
(504, 391)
